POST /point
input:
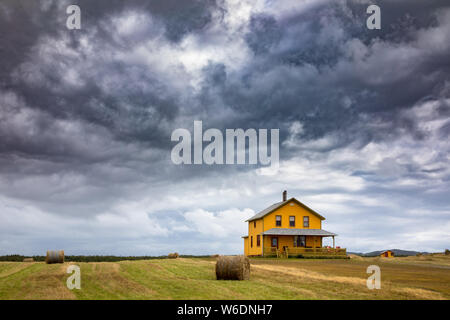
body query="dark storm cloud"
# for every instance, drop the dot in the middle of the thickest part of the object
(293, 58)
(264, 33)
(125, 109)
(286, 81)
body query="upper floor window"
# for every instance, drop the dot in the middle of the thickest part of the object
(258, 240)
(278, 221)
(292, 221)
(251, 241)
(254, 224)
(306, 222)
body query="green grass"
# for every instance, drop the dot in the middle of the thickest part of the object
(194, 278)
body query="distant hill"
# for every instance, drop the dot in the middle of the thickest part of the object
(356, 253)
(397, 252)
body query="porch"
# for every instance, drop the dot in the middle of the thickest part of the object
(292, 242)
(287, 252)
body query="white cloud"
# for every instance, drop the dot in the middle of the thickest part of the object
(227, 223)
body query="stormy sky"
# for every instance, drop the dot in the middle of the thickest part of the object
(86, 118)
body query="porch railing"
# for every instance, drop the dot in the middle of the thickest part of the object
(306, 252)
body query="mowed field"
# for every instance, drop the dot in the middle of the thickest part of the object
(425, 277)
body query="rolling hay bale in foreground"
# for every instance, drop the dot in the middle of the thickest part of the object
(54, 257)
(28, 260)
(232, 268)
(173, 255)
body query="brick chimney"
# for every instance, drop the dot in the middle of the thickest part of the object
(284, 195)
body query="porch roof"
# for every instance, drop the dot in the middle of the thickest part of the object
(298, 232)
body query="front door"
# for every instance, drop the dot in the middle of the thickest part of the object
(299, 241)
(302, 241)
(275, 242)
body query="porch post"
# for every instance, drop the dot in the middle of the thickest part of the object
(333, 243)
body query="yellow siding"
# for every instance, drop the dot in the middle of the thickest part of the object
(246, 246)
(253, 232)
(314, 242)
(389, 254)
(292, 209)
(287, 241)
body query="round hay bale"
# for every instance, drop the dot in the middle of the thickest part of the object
(173, 255)
(28, 260)
(232, 268)
(54, 256)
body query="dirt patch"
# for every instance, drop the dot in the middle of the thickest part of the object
(303, 273)
(48, 283)
(421, 293)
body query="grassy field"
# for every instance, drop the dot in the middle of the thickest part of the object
(426, 277)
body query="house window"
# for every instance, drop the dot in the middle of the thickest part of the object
(258, 240)
(251, 241)
(278, 221)
(254, 224)
(306, 222)
(299, 241)
(275, 242)
(292, 221)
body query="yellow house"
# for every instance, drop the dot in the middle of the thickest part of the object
(287, 228)
(387, 254)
